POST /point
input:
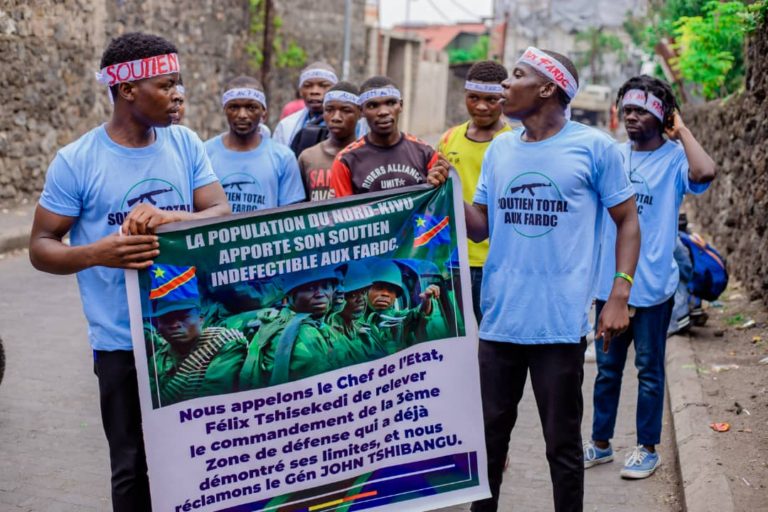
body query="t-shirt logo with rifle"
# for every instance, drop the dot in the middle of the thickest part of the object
(532, 204)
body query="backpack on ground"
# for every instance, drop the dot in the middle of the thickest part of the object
(710, 276)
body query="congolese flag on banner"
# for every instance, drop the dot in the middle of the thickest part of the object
(429, 230)
(171, 283)
(429, 234)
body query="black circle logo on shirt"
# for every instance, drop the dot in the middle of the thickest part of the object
(243, 192)
(532, 204)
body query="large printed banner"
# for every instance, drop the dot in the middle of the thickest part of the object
(316, 357)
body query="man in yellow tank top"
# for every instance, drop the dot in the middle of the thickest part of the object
(464, 146)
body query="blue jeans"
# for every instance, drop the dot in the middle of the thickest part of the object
(648, 329)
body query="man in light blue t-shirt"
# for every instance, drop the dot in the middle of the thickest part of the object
(662, 172)
(110, 190)
(255, 171)
(540, 199)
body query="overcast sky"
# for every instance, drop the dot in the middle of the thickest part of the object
(392, 12)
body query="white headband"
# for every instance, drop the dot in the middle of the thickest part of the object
(644, 100)
(488, 88)
(311, 74)
(243, 93)
(346, 97)
(552, 69)
(139, 69)
(381, 92)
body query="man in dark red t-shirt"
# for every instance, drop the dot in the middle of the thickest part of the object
(385, 158)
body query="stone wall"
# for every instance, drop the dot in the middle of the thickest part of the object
(318, 27)
(735, 209)
(49, 50)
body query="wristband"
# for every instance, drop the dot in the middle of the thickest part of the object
(628, 278)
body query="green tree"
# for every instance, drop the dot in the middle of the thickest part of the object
(478, 51)
(707, 35)
(267, 46)
(710, 47)
(598, 43)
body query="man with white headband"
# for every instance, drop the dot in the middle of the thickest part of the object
(341, 113)
(385, 158)
(464, 146)
(256, 172)
(662, 171)
(111, 189)
(314, 82)
(540, 199)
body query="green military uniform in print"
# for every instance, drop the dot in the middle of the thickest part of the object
(358, 342)
(399, 329)
(289, 346)
(247, 322)
(212, 367)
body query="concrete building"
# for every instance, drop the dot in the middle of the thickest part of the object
(420, 70)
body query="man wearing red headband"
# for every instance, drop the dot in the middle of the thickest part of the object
(540, 199)
(662, 172)
(110, 190)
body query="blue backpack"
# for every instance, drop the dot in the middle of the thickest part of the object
(710, 277)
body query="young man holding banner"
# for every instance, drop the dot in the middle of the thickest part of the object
(112, 188)
(540, 199)
(385, 158)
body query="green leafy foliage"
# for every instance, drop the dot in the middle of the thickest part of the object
(707, 35)
(710, 47)
(286, 54)
(479, 51)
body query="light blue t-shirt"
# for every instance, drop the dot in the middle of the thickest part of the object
(99, 181)
(265, 177)
(660, 179)
(545, 208)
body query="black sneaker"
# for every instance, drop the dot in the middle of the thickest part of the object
(699, 317)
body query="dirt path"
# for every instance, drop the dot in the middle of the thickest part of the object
(728, 351)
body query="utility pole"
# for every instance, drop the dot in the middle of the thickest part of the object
(269, 37)
(347, 39)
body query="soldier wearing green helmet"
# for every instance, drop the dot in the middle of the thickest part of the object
(295, 342)
(360, 342)
(190, 361)
(399, 328)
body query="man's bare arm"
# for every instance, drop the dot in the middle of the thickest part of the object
(701, 166)
(614, 318)
(49, 253)
(476, 216)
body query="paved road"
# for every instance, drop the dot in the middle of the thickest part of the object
(53, 454)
